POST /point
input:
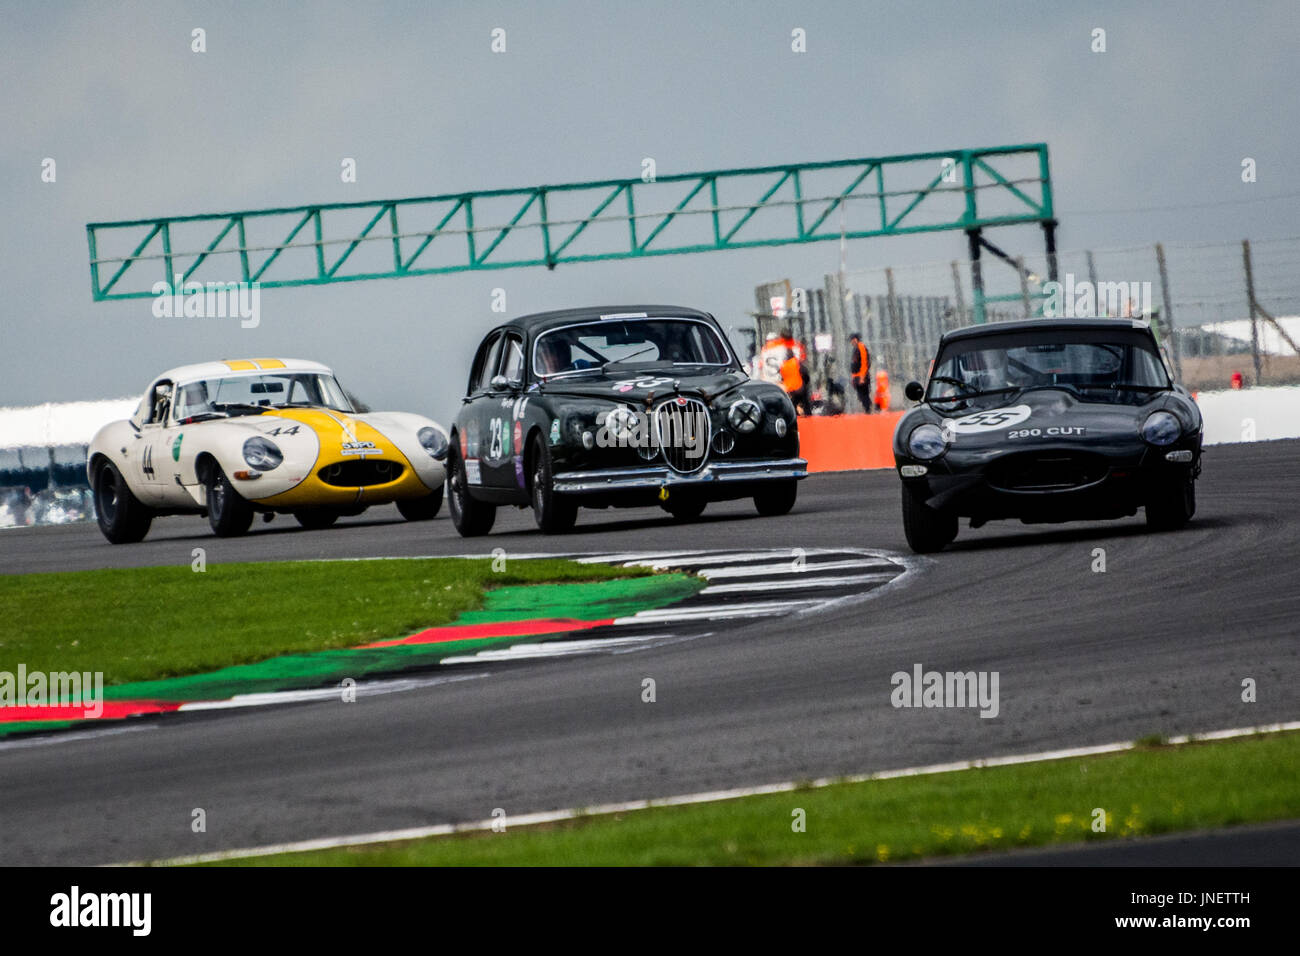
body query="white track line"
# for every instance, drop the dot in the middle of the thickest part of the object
(523, 652)
(912, 564)
(785, 567)
(605, 809)
(716, 612)
(713, 557)
(365, 689)
(634, 556)
(71, 736)
(798, 584)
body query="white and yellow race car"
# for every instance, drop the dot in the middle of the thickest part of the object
(278, 436)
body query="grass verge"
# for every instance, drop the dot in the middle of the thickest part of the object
(1142, 792)
(150, 623)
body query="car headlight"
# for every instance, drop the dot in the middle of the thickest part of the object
(926, 441)
(744, 415)
(262, 453)
(621, 422)
(1161, 428)
(433, 441)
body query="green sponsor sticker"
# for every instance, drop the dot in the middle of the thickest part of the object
(176, 447)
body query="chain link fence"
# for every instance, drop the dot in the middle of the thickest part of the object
(1219, 308)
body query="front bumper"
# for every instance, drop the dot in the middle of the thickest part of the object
(649, 477)
(1124, 480)
(312, 491)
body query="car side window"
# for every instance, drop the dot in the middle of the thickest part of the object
(512, 365)
(488, 358)
(161, 401)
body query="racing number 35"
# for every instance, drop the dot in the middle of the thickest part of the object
(986, 419)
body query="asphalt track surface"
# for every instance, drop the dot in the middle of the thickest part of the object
(1159, 643)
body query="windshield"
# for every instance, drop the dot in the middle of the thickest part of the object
(241, 394)
(1080, 360)
(634, 343)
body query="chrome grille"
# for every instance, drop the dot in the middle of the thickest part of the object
(682, 432)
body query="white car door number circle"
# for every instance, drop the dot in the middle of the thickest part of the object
(992, 420)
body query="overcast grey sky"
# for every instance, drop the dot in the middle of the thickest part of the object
(141, 126)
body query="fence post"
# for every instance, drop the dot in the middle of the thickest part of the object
(976, 276)
(1174, 350)
(895, 325)
(839, 326)
(1024, 286)
(961, 298)
(1250, 299)
(860, 323)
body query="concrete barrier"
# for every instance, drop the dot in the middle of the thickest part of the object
(854, 442)
(848, 442)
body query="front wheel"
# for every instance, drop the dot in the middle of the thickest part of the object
(229, 513)
(925, 528)
(1172, 505)
(554, 513)
(777, 498)
(471, 518)
(421, 509)
(121, 516)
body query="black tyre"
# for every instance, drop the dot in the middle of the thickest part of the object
(684, 507)
(471, 518)
(926, 529)
(121, 516)
(554, 513)
(777, 498)
(316, 518)
(1172, 506)
(421, 509)
(229, 514)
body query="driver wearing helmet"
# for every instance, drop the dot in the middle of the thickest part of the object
(193, 400)
(552, 354)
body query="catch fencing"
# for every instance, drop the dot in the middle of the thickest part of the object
(1218, 308)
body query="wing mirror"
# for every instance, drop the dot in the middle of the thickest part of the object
(914, 391)
(500, 383)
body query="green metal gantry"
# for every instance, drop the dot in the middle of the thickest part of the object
(966, 189)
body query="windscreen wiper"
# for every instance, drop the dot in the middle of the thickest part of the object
(966, 396)
(632, 355)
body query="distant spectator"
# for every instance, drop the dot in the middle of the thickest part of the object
(795, 381)
(860, 366)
